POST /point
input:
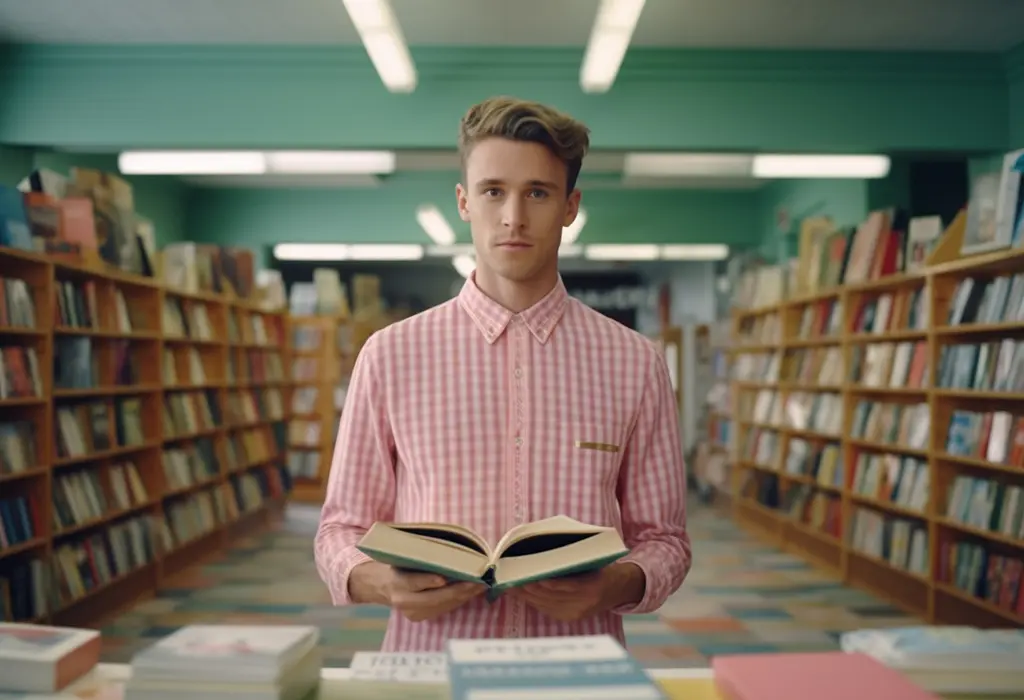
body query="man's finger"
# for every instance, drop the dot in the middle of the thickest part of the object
(419, 581)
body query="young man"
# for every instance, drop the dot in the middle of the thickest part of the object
(510, 403)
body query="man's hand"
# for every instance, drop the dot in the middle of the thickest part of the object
(573, 598)
(419, 596)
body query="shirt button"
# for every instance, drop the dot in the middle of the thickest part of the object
(518, 372)
(519, 442)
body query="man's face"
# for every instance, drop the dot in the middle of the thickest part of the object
(515, 202)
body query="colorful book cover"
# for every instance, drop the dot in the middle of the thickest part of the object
(548, 667)
(26, 642)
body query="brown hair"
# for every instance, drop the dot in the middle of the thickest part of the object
(522, 120)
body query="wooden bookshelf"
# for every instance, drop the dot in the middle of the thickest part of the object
(324, 350)
(864, 436)
(136, 418)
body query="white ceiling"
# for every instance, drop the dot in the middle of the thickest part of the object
(982, 25)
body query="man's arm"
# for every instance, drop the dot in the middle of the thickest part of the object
(652, 494)
(361, 485)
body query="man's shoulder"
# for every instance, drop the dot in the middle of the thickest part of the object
(610, 331)
(412, 328)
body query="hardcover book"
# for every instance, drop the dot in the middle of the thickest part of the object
(556, 546)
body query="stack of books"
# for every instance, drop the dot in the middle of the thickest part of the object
(948, 659)
(397, 676)
(225, 662)
(40, 659)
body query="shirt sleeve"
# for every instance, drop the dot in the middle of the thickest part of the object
(361, 485)
(652, 493)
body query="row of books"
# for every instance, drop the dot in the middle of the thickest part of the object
(822, 462)
(85, 560)
(987, 300)
(901, 480)
(19, 372)
(903, 364)
(86, 427)
(86, 495)
(901, 542)
(18, 451)
(991, 366)
(18, 520)
(991, 436)
(983, 573)
(17, 305)
(888, 312)
(987, 504)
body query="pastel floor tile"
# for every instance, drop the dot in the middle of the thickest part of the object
(707, 624)
(742, 596)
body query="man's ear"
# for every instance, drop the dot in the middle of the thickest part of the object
(462, 201)
(572, 207)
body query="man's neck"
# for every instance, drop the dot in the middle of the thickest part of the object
(515, 296)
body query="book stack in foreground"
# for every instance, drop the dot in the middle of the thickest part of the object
(216, 662)
(35, 659)
(948, 659)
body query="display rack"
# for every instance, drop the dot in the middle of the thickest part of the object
(138, 434)
(324, 349)
(871, 447)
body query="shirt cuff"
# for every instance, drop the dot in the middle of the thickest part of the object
(644, 602)
(349, 559)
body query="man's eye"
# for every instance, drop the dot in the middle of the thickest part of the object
(538, 194)
(492, 192)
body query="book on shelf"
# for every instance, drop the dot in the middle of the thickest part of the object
(41, 659)
(556, 546)
(594, 666)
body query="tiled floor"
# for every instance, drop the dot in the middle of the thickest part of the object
(741, 596)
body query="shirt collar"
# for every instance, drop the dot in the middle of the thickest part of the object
(491, 318)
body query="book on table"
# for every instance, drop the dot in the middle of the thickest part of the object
(44, 659)
(548, 548)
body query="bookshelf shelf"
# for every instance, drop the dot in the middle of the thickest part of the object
(118, 438)
(896, 462)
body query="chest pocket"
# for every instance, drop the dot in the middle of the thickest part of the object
(580, 469)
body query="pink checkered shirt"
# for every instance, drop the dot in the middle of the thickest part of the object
(469, 414)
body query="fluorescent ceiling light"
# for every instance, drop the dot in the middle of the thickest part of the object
(570, 251)
(382, 37)
(385, 251)
(436, 226)
(336, 252)
(609, 40)
(464, 265)
(311, 251)
(192, 163)
(626, 251)
(695, 251)
(450, 251)
(821, 166)
(571, 232)
(687, 164)
(331, 162)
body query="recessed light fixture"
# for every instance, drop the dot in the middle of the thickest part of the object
(432, 221)
(609, 41)
(331, 162)
(256, 162)
(337, 252)
(820, 166)
(687, 165)
(621, 251)
(192, 163)
(694, 251)
(449, 251)
(464, 265)
(381, 35)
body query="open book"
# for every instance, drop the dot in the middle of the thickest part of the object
(557, 546)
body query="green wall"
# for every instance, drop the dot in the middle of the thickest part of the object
(330, 97)
(15, 163)
(1015, 80)
(261, 217)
